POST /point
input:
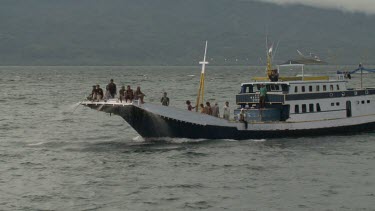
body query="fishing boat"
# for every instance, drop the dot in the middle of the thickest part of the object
(360, 70)
(295, 106)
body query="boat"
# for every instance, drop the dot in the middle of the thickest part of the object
(360, 70)
(294, 107)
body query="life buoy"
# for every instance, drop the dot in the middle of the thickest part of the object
(355, 93)
(366, 92)
(343, 94)
(331, 94)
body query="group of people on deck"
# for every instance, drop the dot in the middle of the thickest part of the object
(211, 110)
(126, 95)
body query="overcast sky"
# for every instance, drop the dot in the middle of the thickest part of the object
(364, 6)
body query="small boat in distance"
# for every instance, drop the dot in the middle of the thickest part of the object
(293, 107)
(361, 69)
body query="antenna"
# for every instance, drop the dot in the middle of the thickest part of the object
(204, 62)
(277, 47)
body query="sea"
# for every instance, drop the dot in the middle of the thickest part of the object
(58, 155)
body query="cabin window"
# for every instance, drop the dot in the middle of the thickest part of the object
(246, 89)
(275, 87)
(324, 88)
(317, 88)
(310, 88)
(338, 87)
(368, 101)
(303, 89)
(318, 107)
(363, 102)
(311, 107)
(296, 89)
(284, 87)
(296, 109)
(337, 103)
(251, 90)
(243, 89)
(304, 108)
(331, 87)
(332, 104)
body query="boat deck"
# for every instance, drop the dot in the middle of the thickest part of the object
(169, 112)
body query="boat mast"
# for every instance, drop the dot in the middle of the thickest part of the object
(200, 96)
(269, 58)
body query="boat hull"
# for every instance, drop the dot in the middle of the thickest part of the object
(151, 125)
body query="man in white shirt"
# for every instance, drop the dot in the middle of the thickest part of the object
(226, 112)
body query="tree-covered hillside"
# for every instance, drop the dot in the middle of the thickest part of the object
(172, 32)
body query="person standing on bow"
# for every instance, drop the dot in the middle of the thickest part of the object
(165, 100)
(215, 110)
(189, 106)
(208, 109)
(111, 87)
(226, 112)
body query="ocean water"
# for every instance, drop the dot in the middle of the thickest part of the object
(56, 155)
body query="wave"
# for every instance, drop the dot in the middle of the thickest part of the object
(36, 144)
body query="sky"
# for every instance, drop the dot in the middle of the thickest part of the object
(362, 6)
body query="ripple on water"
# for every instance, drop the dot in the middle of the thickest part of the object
(170, 199)
(184, 186)
(32, 103)
(197, 205)
(195, 154)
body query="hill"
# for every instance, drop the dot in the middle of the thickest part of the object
(170, 32)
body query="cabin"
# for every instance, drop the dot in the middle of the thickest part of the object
(303, 100)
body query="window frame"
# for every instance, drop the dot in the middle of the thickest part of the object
(296, 109)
